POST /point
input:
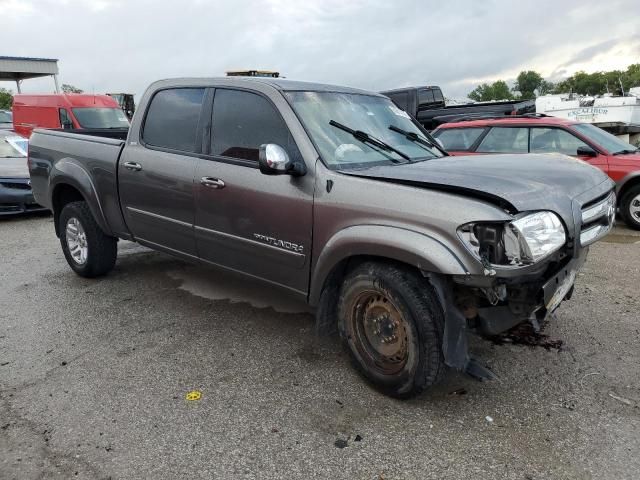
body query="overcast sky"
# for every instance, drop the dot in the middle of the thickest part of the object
(122, 45)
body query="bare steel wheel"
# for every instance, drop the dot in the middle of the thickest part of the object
(382, 334)
(88, 250)
(391, 322)
(77, 241)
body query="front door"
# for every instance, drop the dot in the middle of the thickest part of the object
(156, 174)
(246, 221)
(552, 140)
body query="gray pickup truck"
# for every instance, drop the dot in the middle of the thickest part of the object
(339, 197)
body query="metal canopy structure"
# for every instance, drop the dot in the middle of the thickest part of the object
(21, 68)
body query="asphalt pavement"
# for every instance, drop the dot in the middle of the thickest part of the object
(164, 369)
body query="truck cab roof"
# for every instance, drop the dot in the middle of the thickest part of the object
(277, 83)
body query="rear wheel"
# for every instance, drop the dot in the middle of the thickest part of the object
(88, 250)
(630, 207)
(391, 323)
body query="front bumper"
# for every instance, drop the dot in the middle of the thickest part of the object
(16, 197)
(510, 301)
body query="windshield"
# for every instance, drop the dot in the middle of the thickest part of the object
(10, 149)
(5, 117)
(607, 141)
(101, 117)
(371, 115)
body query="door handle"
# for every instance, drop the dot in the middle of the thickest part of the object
(132, 166)
(212, 182)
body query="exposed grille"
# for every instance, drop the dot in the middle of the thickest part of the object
(16, 185)
(598, 218)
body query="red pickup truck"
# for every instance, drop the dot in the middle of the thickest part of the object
(537, 133)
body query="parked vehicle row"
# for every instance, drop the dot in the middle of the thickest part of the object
(544, 134)
(339, 197)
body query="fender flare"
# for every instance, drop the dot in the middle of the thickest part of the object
(629, 177)
(407, 246)
(69, 172)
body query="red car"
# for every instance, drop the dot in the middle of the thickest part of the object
(543, 134)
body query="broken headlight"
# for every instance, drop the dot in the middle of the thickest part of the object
(525, 240)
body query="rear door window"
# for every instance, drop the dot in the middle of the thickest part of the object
(554, 140)
(459, 138)
(505, 140)
(172, 119)
(242, 121)
(425, 96)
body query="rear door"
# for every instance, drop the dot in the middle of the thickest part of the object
(505, 140)
(247, 221)
(459, 141)
(155, 174)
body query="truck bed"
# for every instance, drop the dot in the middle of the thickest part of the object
(54, 154)
(452, 113)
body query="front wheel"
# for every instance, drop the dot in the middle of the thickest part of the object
(391, 322)
(88, 250)
(630, 208)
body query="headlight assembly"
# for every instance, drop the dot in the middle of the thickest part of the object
(523, 241)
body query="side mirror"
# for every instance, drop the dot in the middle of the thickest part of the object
(586, 152)
(274, 160)
(67, 125)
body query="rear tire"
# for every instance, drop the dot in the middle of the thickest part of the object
(630, 207)
(88, 250)
(391, 322)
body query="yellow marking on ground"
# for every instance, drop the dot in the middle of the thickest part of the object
(193, 395)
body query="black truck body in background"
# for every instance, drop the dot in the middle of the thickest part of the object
(427, 105)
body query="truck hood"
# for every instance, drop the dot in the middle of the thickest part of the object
(515, 182)
(14, 168)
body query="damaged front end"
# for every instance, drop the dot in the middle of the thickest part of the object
(529, 268)
(529, 264)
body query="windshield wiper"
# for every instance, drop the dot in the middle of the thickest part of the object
(364, 137)
(625, 151)
(412, 136)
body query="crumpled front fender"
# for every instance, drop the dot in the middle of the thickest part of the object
(425, 252)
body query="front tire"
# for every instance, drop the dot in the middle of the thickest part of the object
(88, 250)
(630, 208)
(391, 323)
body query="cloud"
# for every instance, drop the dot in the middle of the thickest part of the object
(374, 44)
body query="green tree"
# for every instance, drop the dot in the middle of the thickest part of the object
(598, 83)
(528, 83)
(498, 90)
(6, 99)
(66, 88)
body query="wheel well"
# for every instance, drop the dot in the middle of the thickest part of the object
(62, 195)
(347, 264)
(326, 313)
(634, 182)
